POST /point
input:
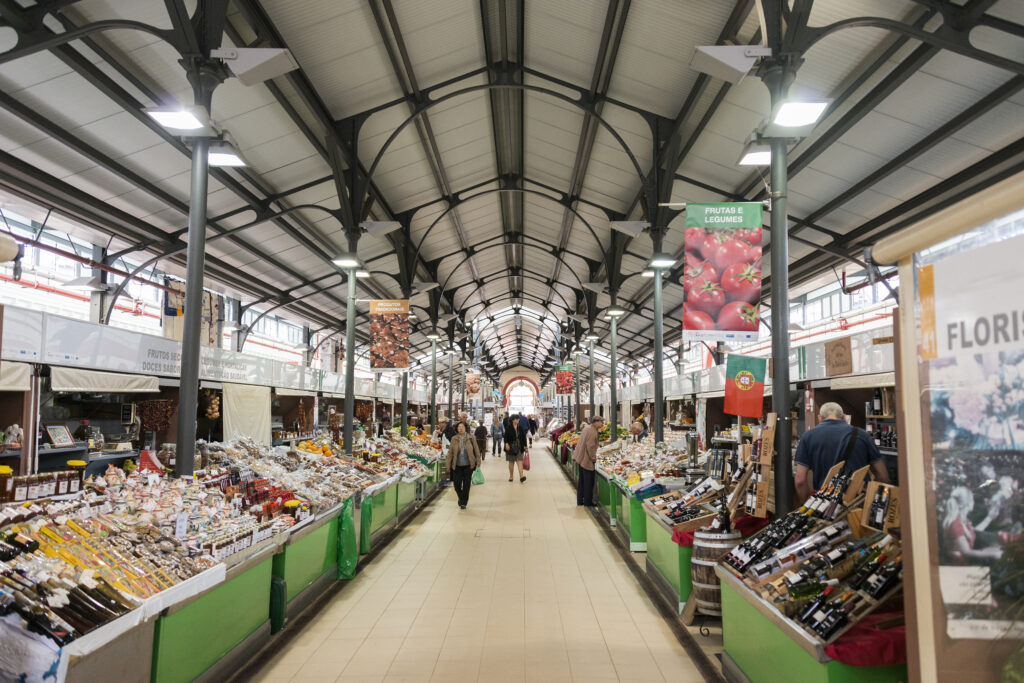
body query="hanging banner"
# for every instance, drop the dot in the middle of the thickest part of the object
(389, 334)
(744, 385)
(472, 385)
(971, 368)
(722, 273)
(563, 379)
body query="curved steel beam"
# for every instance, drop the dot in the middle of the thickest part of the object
(453, 205)
(529, 275)
(19, 51)
(426, 106)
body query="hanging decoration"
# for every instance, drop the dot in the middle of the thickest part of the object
(472, 385)
(389, 334)
(563, 379)
(722, 273)
(744, 385)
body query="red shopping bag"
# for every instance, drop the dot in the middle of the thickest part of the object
(526, 461)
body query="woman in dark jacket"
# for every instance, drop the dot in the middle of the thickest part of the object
(515, 447)
(481, 440)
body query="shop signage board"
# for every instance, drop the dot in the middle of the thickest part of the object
(389, 334)
(971, 368)
(22, 334)
(563, 379)
(722, 275)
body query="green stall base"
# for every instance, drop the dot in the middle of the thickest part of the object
(382, 509)
(305, 560)
(631, 520)
(607, 498)
(190, 640)
(668, 561)
(759, 651)
(406, 497)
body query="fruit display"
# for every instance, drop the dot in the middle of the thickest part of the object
(211, 404)
(722, 280)
(642, 459)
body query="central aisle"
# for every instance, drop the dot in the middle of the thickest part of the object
(521, 586)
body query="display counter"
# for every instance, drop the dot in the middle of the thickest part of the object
(631, 520)
(668, 563)
(378, 512)
(211, 635)
(763, 647)
(307, 564)
(607, 498)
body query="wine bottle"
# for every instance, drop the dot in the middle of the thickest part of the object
(810, 588)
(879, 512)
(815, 604)
(884, 578)
(876, 402)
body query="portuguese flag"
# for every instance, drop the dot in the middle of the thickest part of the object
(744, 385)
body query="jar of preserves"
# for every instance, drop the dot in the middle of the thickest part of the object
(76, 469)
(6, 484)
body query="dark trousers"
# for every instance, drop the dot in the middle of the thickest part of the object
(496, 446)
(585, 487)
(462, 479)
(482, 445)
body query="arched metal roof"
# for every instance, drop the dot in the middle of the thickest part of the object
(504, 135)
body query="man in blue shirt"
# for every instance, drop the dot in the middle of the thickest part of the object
(823, 446)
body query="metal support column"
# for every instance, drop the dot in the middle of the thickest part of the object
(614, 408)
(778, 79)
(451, 387)
(188, 396)
(576, 387)
(98, 299)
(350, 360)
(659, 352)
(433, 384)
(405, 404)
(593, 393)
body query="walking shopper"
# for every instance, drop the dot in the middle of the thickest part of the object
(497, 432)
(515, 447)
(463, 458)
(481, 440)
(533, 428)
(585, 455)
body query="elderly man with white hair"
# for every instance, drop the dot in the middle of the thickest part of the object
(823, 446)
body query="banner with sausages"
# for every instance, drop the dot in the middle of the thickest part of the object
(389, 334)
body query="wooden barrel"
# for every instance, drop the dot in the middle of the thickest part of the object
(708, 548)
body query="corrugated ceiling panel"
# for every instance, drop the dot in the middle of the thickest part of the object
(552, 129)
(443, 37)
(650, 72)
(338, 46)
(563, 37)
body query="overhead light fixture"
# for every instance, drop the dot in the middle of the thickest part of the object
(755, 154)
(412, 315)
(614, 312)
(87, 283)
(253, 65)
(231, 326)
(224, 153)
(362, 273)
(596, 287)
(433, 335)
(346, 261)
(731, 63)
(379, 228)
(662, 261)
(592, 337)
(192, 121)
(421, 287)
(631, 228)
(446, 318)
(647, 273)
(798, 114)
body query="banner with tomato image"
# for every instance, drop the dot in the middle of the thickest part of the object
(722, 274)
(744, 385)
(563, 379)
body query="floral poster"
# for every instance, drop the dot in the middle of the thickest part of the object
(971, 342)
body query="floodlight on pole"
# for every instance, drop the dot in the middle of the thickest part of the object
(346, 261)
(755, 154)
(662, 261)
(731, 63)
(253, 65)
(631, 228)
(224, 153)
(191, 121)
(379, 228)
(362, 273)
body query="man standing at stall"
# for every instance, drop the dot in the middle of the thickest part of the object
(585, 455)
(830, 442)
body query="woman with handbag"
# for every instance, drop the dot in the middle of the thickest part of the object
(515, 447)
(463, 458)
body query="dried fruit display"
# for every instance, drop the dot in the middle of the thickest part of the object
(155, 414)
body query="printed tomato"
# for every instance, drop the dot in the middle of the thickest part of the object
(693, 240)
(710, 245)
(739, 316)
(730, 252)
(751, 236)
(708, 297)
(754, 254)
(742, 282)
(693, 276)
(692, 260)
(697, 320)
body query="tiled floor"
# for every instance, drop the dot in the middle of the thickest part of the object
(521, 586)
